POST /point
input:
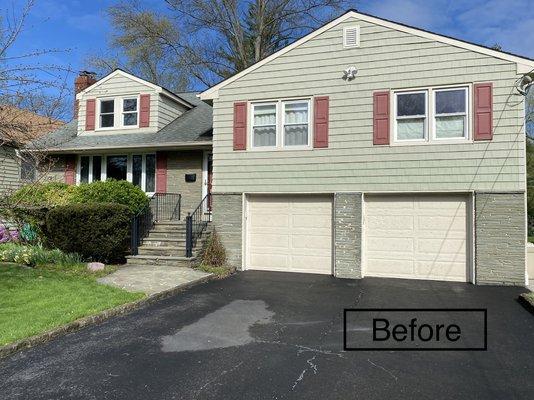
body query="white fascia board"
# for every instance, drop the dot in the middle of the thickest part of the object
(524, 65)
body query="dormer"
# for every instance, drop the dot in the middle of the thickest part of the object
(123, 103)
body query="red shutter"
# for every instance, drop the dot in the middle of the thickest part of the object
(70, 170)
(90, 106)
(483, 112)
(320, 122)
(240, 126)
(161, 172)
(381, 118)
(144, 108)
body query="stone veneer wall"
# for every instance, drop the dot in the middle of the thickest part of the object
(228, 223)
(180, 163)
(500, 238)
(347, 235)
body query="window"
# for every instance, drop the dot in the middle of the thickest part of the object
(411, 114)
(28, 170)
(450, 115)
(107, 113)
(140, 169)
(281, 124)
(444, 118)
(264, 125)
(296, 123)
(129, 112)
(117, 167)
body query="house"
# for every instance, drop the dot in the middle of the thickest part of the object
(17, 128)
(373, 148)
(126, 128)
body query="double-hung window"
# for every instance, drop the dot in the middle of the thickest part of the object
(280, 124)
(431, 115)
(450, 113)
(411, 116)
(129, 112)
(107, 113)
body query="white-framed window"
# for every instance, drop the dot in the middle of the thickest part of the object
(129, 111)
(118, 112)
(140, 169)
(451, 113)
(411, 109)
(431, 115)
(106, 113)
(281, 124)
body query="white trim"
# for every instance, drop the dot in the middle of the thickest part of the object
(524, 65)
(276, 124)
(118, 112)
(157, 88)
(465, 114)
(192, 145)
(205, 157)
(421, 116)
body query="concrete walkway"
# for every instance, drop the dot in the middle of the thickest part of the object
(152, 279)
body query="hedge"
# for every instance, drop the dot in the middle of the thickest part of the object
(96, 231)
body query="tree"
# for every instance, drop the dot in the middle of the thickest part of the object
(208, 40)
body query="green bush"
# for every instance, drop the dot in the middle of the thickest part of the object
(36, 255)
(42, 195)
(27, 219)
(96, 231)
(111, 191)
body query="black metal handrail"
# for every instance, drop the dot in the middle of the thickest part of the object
(166, 206)
(195, 223)
(162, 207)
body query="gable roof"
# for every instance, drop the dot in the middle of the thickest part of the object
(192, 128)
(158, 89)
(524, 64)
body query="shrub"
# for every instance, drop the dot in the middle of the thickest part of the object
(111, 191)
(36, 255)
(30, 222)
(214, 254)
(7, 235)
(96, 231)
(42, 195)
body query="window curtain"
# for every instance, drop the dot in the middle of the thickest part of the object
(296, 124)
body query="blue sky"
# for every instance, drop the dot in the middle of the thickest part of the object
(81, 27)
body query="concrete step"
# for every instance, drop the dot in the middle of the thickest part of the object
(165, 242)
(168, 228)
(165, 236)
(162, 251)
(171, 261)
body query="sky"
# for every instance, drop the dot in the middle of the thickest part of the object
(80, 28)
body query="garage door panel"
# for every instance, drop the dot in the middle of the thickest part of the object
(416, 237)
(290, 233)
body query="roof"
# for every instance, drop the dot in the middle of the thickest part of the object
(524, 64)
(20, 126)
(157, 88)
(192, 128)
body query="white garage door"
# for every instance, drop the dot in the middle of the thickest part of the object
(290, 233)
(416, 237)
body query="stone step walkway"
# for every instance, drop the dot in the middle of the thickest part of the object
(152, 279)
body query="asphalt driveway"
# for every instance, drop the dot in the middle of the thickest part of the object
(278, 336)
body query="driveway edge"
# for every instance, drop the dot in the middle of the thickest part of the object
(96, 319)
(525, 302)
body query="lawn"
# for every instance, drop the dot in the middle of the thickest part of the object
(34, 300)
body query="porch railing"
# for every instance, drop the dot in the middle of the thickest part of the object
(166, 206)
(162, 207)
(195, 223)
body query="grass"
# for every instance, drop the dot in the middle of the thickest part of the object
(530, 297)
(531, 239)
(34, 300)
(220, 272)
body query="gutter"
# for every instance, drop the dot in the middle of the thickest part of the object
(136, 146)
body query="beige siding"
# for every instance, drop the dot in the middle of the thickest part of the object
(168, 111)
(9, 170)
(54, 170)
(386, 59)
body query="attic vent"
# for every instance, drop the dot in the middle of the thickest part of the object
(351, 36)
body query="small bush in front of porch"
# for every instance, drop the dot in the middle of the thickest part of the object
(111, 191)
(96, 231)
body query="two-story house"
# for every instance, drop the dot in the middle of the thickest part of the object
(372, 148)
(126, 128)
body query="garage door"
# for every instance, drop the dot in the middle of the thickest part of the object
(416, 237)
(290, 234)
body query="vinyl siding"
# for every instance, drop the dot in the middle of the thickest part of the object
(386, 59)
(168, 111)
(9, 170)
(162, 109)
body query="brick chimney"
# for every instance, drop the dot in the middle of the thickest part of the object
(82, 82)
